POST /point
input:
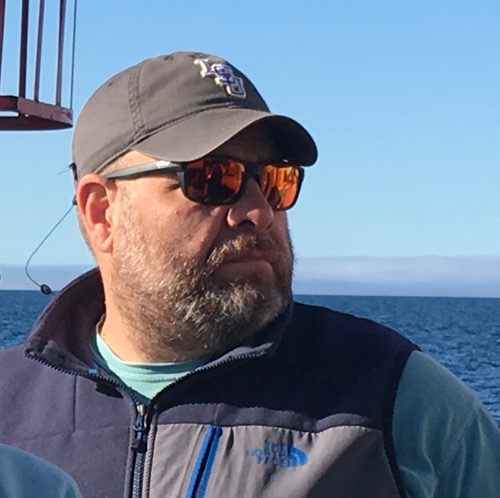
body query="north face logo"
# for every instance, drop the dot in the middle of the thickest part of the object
(280, 455)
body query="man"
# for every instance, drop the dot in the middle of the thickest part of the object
(182, 367)
(25, 476)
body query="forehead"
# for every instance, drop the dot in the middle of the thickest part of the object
(252, 144)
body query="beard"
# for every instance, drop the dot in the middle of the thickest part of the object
(177, 307)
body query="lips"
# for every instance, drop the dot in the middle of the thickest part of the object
(245, 248)
(247, 256)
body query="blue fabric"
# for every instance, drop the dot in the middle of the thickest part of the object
(311, 371)
(23, 475)
(215, 437)
(442, 452)
(437, 455)
(146, 379)
(204, 462)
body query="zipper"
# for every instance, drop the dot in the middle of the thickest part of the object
(201, 474)
(207, 368)
(93, 375)
(200, 477)
(139, 441)
(203, 466)
(139, 447)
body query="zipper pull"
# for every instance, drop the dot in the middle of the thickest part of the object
(139, 443)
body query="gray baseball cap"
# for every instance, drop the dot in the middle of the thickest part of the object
(178, 107)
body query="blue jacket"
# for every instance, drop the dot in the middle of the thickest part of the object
(305, 410)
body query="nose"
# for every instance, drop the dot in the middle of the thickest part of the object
(251, 209)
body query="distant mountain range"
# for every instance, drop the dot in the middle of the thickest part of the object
(386, 276)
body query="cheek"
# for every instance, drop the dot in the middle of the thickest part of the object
(195, 229)
(280, 228)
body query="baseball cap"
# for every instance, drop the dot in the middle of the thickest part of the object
(178, 107)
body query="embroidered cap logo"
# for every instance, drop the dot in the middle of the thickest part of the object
(223, 76)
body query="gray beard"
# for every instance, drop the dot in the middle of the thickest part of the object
(186, 313)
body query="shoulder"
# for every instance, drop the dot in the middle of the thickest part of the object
(12, 362)
(11, 353)
(313, 315)
(349, 354)
(424, 379)
(344, 330)
(31, 388)
(17, 370)
(25, 475)
(445, 440)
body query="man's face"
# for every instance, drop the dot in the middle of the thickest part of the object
(197, 280)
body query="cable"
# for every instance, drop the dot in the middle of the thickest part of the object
(44, 288)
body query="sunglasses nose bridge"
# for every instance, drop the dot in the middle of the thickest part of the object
(255, 190)
(253, 172)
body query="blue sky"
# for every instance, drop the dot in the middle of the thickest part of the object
(402, 99)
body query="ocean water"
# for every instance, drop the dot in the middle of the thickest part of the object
(461, 333)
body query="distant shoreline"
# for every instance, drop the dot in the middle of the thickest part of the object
(422, 276)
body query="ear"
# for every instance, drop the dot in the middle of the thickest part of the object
(95, 197)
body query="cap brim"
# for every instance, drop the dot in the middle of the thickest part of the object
(201, 133)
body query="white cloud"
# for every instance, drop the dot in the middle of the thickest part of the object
(423, 275)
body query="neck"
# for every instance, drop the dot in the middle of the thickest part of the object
(128, 341)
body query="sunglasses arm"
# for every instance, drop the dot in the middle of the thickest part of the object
(142, 169)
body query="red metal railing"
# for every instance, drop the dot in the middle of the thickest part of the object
(25, 111)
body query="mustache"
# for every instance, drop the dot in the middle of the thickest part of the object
(241, 244)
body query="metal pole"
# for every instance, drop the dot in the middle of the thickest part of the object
(60, 52)
(38, 62)
(23, 58)
(2, 24)
(73, 50)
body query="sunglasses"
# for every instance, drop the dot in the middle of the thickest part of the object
(221, 180)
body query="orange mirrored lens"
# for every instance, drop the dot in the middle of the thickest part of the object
(219, 181)
(214, 181)
(280, 185)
